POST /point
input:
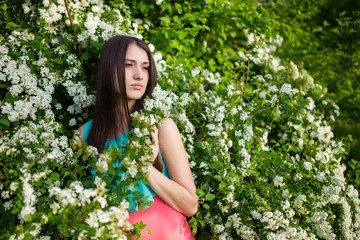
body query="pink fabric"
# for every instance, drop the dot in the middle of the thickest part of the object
(162, 222)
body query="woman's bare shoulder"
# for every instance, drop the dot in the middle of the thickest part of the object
(81, 133)
(169, 132)
(168, 123)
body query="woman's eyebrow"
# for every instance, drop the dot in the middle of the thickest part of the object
(131, 60)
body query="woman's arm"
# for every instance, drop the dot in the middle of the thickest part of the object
(179, 191)
(81, 133)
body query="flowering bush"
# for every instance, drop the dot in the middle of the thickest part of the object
(263, 157)
(215, 33)
(45, 94)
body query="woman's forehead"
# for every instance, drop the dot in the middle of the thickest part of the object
(135, 53)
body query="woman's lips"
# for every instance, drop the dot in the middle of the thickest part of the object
(137, 86)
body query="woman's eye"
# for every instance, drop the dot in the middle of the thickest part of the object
(147, 68)
(128, 65)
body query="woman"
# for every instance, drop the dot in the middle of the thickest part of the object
(126, 74)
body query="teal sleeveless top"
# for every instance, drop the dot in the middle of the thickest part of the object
(143, 188)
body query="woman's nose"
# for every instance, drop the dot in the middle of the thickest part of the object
(138, 74)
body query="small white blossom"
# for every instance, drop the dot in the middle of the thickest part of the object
(286, 88)
(278, 181)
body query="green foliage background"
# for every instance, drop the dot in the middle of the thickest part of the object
(322, 37)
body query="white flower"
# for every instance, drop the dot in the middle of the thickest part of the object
(251, 38)
(219, 228)
(125, 204)
(151, 47)
(311, 105)
(46, 3)
(195, 71)
(262, 94)
(256, 215)
(14, 186)
(72, 122)
(307, 166)
(102, 201)
(158, 2)
(268, 76)
(274, 98)
(286, 88)
(285, 204)
(8, 205)
(132, 169)
(278, 181)
(102, 166)
(244, 116)
(299, 201)
(295, 71)
(5, 194)
(272, 89)
(325, 134)
(242, 55)
(260, 78)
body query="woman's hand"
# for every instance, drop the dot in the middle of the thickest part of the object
(155, 146)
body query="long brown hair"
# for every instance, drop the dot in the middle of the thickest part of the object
(112, 114)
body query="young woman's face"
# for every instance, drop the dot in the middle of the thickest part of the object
(137, 66)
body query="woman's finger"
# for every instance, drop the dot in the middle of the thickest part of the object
(155, 146)
(155, 135)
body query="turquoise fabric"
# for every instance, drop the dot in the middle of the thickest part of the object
(143, 188)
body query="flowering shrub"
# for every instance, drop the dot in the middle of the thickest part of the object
(264, 160)
(263, 157)
(45, 94)
(214, 33)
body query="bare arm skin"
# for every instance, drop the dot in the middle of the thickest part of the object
(179, 191)
(81, 135)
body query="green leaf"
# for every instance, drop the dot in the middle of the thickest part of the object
(142, 206)
(295, 149)
(111, 170)
(218, 177)
(206, 206)
(4, 7)
(31, 55)
(36, 44)
(200, 192)
(88, 183)
(11, 26)
(297, 122)
(28, 236)
(211, 62)
(209, 197)
(55, 176)
(354, 161)
(58, 60)
(79, 152)
(85, 56)
(5, 122)
(317, 29)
